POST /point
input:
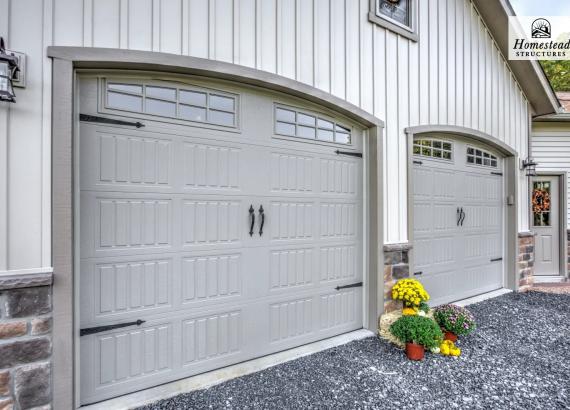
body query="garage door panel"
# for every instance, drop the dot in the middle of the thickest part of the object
(339, 177)
(129, 287)
(291, 220)
(440, 285)
(436, 253)
(211, 277)
(126, 357)
(207, 167)
(165, 238)
(339, 309)
(339, 262)
(120, 223)
(210, 337)
(443, 180)
(458, 223)
(292, 173)
(211, 221)
(121, 159)
(423, 183)
(486, 245)
(291, 319)
(291, 268)
(338, 220)
(444, 217)
(484, 277)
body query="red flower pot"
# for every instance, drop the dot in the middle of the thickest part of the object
(449, 336)
(414, 351)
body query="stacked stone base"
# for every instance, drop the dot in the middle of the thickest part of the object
(396, 267)
(25, 345)
(525, 260)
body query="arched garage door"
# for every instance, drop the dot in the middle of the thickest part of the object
(457, 217)
(229, 225)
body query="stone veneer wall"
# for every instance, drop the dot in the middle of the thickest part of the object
(396, 266)
(526, 260)
(25, 342)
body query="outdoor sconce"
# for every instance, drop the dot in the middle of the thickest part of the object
(8, 69)
(529, 166)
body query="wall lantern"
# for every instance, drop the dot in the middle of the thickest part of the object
(529, 166)
(8, 69)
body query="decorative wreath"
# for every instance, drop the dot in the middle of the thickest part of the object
(540, 201)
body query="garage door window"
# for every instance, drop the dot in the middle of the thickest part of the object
(292, 123)
(433, 148)
(173, 102)
(476, 156)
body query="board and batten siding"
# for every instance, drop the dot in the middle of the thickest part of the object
(551, 150)
(454, 75)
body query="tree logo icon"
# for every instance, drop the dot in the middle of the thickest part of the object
(541, 28)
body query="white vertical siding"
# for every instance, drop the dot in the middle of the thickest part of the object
(551, 150)
(455, 75)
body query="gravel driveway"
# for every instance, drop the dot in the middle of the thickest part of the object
(519, 358)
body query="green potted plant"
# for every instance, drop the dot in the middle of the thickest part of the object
(454, 320)
(418, 333)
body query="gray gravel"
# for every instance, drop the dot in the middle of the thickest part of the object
(519, 358)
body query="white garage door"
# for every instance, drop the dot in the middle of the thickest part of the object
(457, 219)
(224, 225)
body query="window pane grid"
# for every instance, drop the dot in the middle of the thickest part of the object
(476, 156)
(304, 125)
(433, 148)
(541, 203)
(173, 102)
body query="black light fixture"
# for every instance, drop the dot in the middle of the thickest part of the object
(8, 69)
(529, 166)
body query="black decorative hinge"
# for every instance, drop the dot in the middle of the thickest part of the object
(352, 285)
(349, 153)
(497, 173)
(418, 162)
(103, 120)
(99, 329)
(496, 259)
(418, 273)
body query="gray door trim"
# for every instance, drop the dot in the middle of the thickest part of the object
(563, 216)
(65, 61)
(510, 169)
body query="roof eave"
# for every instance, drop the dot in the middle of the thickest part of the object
(529, 74)
(564, 117)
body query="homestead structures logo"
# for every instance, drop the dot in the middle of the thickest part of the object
(541, 28)
(539, 38)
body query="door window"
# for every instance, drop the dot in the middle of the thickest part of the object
(174, 102)
(541, 203)
(433, 148)
(293, 123)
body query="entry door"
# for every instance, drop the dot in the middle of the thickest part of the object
(173, 233)
(457, 220)
(545, 225)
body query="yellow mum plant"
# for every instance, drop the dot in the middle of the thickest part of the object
(448, 348)
(409, 291)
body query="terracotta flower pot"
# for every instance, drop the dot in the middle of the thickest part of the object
(449, 336)
(414, 351)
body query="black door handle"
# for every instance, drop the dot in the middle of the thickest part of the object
(252, 219)
(462, 216)
(262, 215)
(458, 216)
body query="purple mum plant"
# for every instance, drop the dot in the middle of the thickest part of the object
(454, 319)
